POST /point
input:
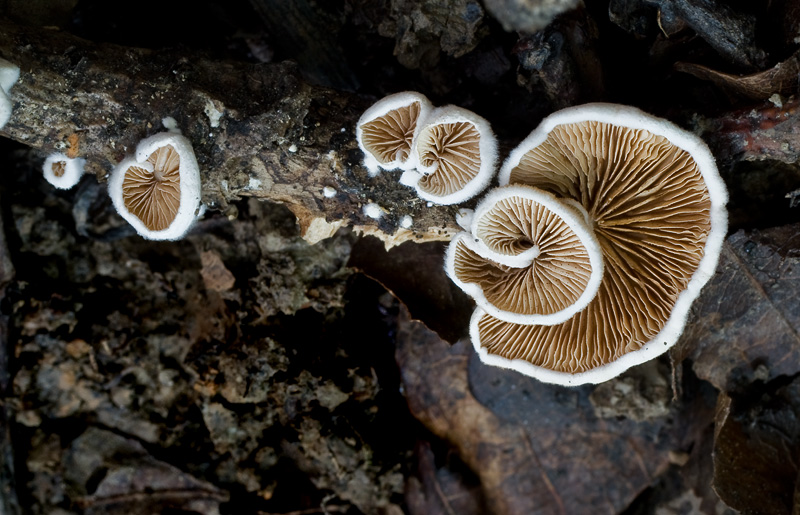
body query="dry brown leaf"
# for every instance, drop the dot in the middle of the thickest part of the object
(748, 317)
(768, 131)
(215, 275)
(435, 490)
(535, 448)
(117, 475)
(756, 445)
(414, 273)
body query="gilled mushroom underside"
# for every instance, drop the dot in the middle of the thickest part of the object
(554, 279)
(154, 196)
(388, 138)
(455, 149)
(59, 167)
(650, 211)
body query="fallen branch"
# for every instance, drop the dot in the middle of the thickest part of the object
(257, 129)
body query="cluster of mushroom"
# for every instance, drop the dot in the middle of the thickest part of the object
(157, 190)
(585, 261)
(448, 154)
(59, 170)
(606, 224)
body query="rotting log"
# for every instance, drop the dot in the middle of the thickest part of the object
(258, 129)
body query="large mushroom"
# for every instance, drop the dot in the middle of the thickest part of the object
(653, 201)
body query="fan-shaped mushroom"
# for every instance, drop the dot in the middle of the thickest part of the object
(656, 205)
(455, 152)
(386, 131)
(529, 257)
(158, 190)
(62, 171)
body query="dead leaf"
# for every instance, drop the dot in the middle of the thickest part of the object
(747, 318)
(730, 32)
(756, 446)
(535, 448)
(117, 475)
(643, 394)
(435, 490)
(215, 276)
(414, 273)
(685, 488)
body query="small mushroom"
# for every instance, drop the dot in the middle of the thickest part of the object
(656, 204)
(386, 131)
(9, 74)
(528, 257)
(62, 171)
(456, 154)
(158, 190)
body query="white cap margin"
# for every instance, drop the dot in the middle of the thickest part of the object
(73, 170)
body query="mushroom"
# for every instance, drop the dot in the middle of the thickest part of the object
(386, 131)
(528, 257)
(158, 190)
(456, 153)
(9, 74)
(61, 171)
(655, 202)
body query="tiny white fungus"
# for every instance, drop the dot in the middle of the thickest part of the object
(406, 222)
(373, 210)
(171, 124)
(293, 148)
(410, 178)
(61, 171)
(212, 113)
(329, 192)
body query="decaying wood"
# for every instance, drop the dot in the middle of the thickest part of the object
(257, 129)
(766, 132)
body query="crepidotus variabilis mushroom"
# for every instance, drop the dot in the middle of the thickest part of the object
(387, 130)
(158, 189)
(456, 155)
(61, 171)
(651, 196)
